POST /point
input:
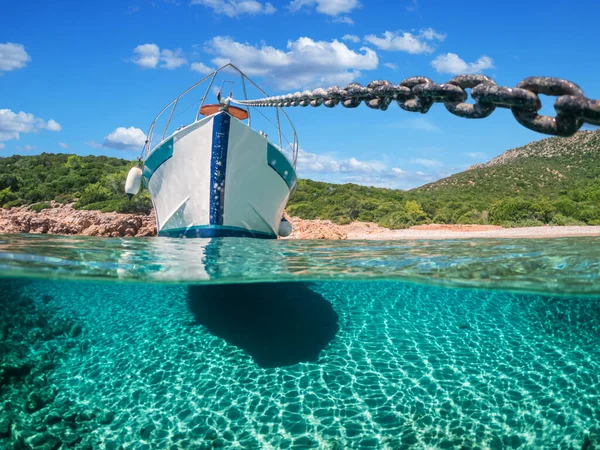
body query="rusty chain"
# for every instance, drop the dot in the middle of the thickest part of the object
(418, 94)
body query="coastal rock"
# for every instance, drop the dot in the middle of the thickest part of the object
(66, 220)
(315, 229)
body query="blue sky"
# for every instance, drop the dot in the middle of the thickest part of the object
(88, 77)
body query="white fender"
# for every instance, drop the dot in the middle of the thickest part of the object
(134, 181)
(285, 228)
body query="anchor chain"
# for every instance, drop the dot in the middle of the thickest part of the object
(418, 94)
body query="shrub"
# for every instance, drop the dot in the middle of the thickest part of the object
(414, 210)
(65, 198)
(443, 215)
(40, 206)
(543, 210)
(74, 162)
(8, 180)
(473, 217)
(561, 220)
(7, 195)
(93, 193)
(566, 207)
(13, 204)
(522, 223)
(37, 195)
(511, 210)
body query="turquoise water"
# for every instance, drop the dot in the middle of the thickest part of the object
(199, 344)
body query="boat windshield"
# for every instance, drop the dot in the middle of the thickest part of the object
(205, 98)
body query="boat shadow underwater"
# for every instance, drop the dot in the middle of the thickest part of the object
(277, 324)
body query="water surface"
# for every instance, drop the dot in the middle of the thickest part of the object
(160, 343)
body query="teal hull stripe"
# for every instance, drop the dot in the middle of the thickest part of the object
(210, 231)
(281, 165)
(157, 158)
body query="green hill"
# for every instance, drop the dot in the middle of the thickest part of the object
(551, 181)
(546, 167)
(554, 180)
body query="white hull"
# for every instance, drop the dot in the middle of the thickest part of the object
(218, 177)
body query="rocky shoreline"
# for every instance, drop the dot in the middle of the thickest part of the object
(66, 220)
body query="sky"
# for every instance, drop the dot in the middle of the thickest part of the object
(88, 77)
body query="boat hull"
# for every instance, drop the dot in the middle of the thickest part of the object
(218, 178)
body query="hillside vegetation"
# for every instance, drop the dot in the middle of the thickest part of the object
(551, 181)
(95, 182)
(554, 180)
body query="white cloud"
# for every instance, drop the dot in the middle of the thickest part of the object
(476, 155)
(351, 38)
(313, 163)
(12, 57)
(53, 125)
(13, 124)
(414, 5)
(391, 66)
(4, 136)
(431, 35)
(1, 145)
(427, 162)
(124, 139)
(420, 173)
(234, 8)
(201, 68)
(420, 123)
(305, 63)
(148, 56)
(453, 64)
(26, 148)
(172, 59)
(343, 19)
(352, 170)
(329, 7)
(63, 145)
(406, 42)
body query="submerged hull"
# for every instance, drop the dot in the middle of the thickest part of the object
(218, 177)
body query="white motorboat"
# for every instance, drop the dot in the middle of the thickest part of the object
(218, 176)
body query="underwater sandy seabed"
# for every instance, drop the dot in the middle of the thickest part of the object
(332, 365)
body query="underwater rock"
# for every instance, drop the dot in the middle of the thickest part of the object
(75, 331)
(106, 417)
(147, 430)
(591, 441)
(5, 424)
(53, 418)
(70, 437)
(38, 399)
(15, 371)
(212, 435)
(43, 441)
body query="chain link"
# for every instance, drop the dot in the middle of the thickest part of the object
(418, 94)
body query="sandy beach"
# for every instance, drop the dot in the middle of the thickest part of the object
(324, 229)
